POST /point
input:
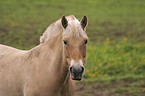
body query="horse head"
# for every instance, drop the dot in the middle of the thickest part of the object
(75, 41)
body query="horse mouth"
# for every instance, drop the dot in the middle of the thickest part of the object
(76, 78)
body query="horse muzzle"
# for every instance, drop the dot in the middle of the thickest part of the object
(76, 73)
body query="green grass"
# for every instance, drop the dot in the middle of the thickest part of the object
(116, 33)
(111, 59)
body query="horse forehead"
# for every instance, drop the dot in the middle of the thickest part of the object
(74, 30)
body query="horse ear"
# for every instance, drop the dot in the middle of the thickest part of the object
(84, 22)
(64, 22)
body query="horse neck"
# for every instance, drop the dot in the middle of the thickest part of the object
(53, 50)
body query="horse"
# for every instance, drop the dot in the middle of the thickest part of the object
(52, 67)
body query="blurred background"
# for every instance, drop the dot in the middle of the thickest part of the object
(116, 30)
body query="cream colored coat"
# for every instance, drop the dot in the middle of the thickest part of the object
(41, 71)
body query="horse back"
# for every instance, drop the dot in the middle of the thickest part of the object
(10, 69)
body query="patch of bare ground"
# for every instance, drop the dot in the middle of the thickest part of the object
(120, 87)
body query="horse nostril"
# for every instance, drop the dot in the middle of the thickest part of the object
(83, 69)
(70, 69)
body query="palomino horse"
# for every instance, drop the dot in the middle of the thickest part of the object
(49, 69)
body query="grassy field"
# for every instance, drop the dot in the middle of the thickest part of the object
(109, 59)
(116, 30)
(25, 20)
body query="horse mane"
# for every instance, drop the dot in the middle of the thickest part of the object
(51, 31)
(74, 29)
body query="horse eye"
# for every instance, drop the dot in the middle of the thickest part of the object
(65, 42)
(86, 41)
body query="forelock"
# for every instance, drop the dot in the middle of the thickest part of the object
(74, 28)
